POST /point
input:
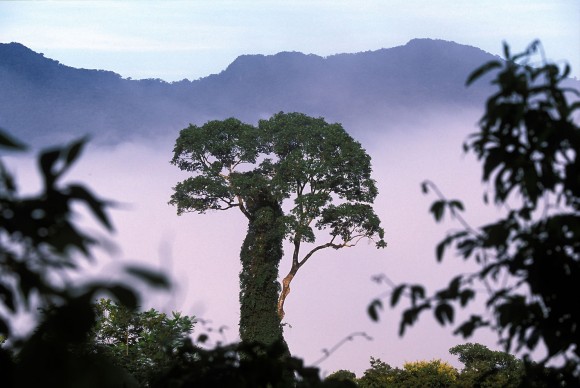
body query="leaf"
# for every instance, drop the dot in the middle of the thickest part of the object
(465, 296)
(480, 71)
(455, 204)
(417, 292)
(410, 316)
(47, 161)
(440, 248)
(154, 278)
(533, 47)
(454, 286)
(396, 295)
(9, 142)
(575, 105)
(506, 51)
(97, 206)
(493, 160)
(467, 246)
(74, 151)
(465, 147)
(438, 208)
(444, 313)
(124, 295)
(373, 309)
(467, 328)
(566, 71)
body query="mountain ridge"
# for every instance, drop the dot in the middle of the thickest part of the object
(43, 100)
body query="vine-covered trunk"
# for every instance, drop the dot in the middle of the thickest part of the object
(261, 253)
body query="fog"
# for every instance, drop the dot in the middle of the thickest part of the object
(330, 295)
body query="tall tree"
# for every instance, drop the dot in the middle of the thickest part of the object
(222, 154)
(530, 259)
(320, 170)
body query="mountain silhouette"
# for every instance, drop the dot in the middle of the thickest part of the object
(44, 101)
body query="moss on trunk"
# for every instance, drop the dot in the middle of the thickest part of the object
(259, 288)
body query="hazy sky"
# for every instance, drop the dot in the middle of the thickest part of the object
(173, 40)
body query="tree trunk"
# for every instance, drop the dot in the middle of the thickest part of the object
(285, 291)
(260, 255)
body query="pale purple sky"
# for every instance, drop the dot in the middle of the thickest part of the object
(179, 39)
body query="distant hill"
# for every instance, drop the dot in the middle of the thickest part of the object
(42, 100)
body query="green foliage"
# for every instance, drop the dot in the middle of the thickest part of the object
(214, 151)
(529, 259)
(143, 343)
(39, 244)
(289, 158)
(240, 365)
(38, 237)
(261, 252)
(379, 375)
(487, 368)
(482, 368)
(342, 375)
(435, 373)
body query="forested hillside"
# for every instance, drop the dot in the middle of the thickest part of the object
(44, 100)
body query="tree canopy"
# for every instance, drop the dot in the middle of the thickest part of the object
(290, 161)
(487, 368)
(141, 342)
(482, 367)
